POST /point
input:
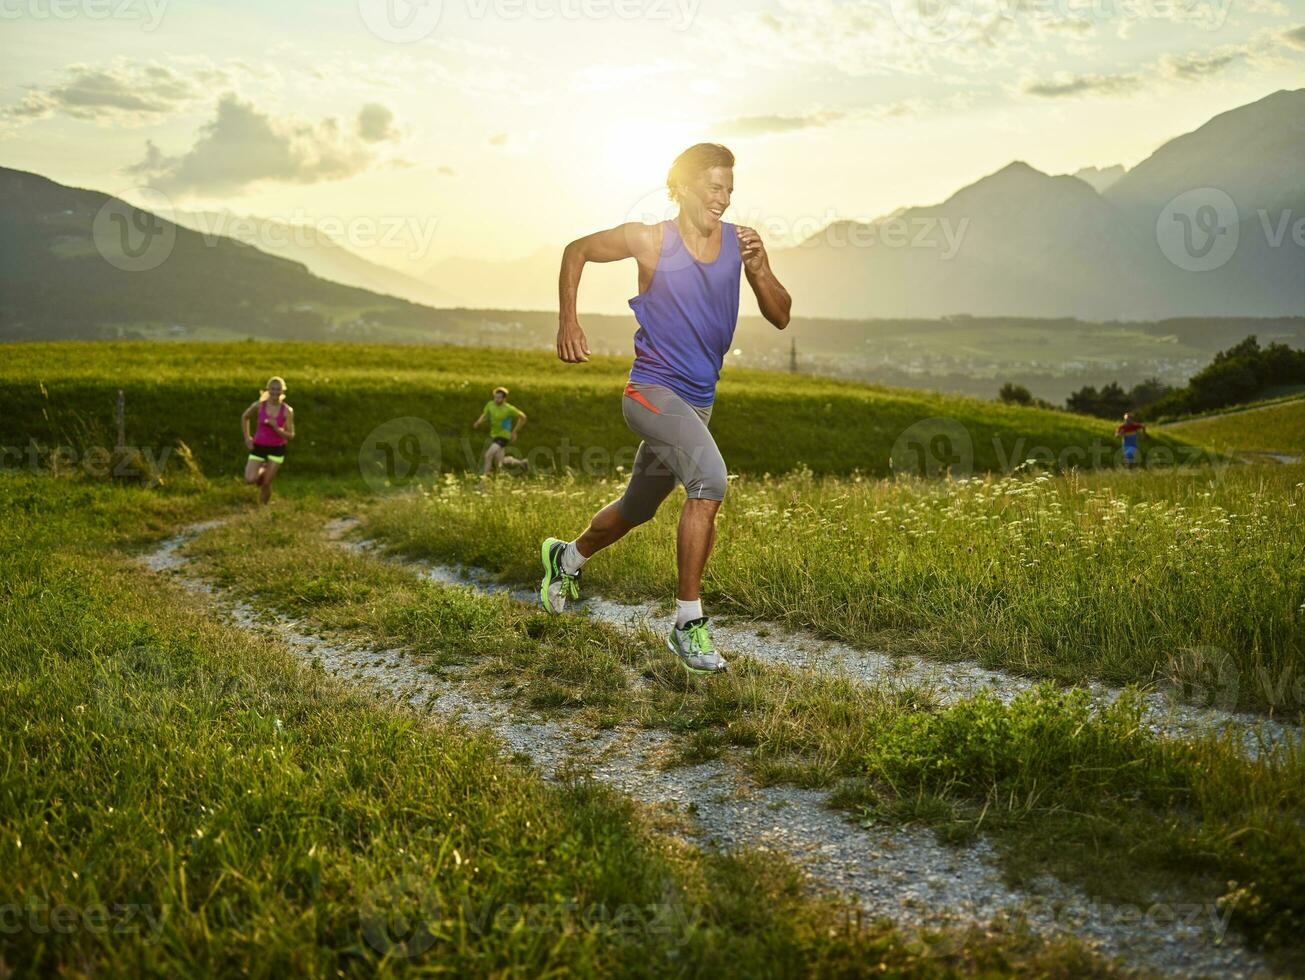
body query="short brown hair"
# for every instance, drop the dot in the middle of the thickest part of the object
(693, 161)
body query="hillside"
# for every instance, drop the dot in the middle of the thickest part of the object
(79, 263)
(319, 252)
(765, 423)
(1276, 430)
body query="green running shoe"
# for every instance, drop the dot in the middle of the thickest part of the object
(692, 644)
(558, 587)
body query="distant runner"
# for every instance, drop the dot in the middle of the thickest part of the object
(500, 415)
(276, 427)
(1130, 429)
(687, 309)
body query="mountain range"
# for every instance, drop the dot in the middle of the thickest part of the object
(1097, 244)
(1211, 224)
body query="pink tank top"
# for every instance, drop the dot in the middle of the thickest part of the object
(265, 435)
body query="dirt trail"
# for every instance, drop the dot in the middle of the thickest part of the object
(1166, 713)
(903, 874)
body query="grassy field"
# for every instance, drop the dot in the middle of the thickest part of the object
(251, 814)
(182, 798)
(258, 817)
(388, 412)
(1092, 797)
(1194, 577)
(1273, 428)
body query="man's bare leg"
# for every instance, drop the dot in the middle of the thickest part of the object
(693, 544)
(607, 527)
(491, 455)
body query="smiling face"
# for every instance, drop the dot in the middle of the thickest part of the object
(274, 389)
(704, 199)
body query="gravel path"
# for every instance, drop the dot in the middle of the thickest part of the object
(902, 874)
(1165, 713)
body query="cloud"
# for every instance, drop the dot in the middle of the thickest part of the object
(1197, 66)
(1065, 85)
(1191, 67)
(1295, 37)
(376, 124)
(242, 146)
(745, 126)
(127, 93)
(742, 127)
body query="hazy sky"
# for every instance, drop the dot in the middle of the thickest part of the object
(497, 127)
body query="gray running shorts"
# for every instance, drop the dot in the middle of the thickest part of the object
(676, 446)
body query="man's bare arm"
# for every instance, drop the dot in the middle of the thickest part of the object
(772, 297)
(626, 241)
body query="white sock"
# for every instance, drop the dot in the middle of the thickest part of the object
(686, 611)
(572, 559)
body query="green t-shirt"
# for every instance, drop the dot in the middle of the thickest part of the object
(500, 419)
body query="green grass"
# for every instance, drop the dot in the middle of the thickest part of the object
(1195, 578)
(1272, 428)
(1093, 797)
(183, 798)
(65, 394)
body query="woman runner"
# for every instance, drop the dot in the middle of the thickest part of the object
(276, 427)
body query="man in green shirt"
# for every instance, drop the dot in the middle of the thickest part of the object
(500, 415)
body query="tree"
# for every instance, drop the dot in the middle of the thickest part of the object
(1013, 394)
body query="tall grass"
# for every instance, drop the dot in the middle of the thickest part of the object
(1192, 579)
(183, 799)
(1090, 795)
(344, 394)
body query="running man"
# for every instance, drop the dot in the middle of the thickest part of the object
(276, 427)
(1130, 430)
(687, 309)
(500, 415)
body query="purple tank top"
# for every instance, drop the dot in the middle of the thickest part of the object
(687, 317)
